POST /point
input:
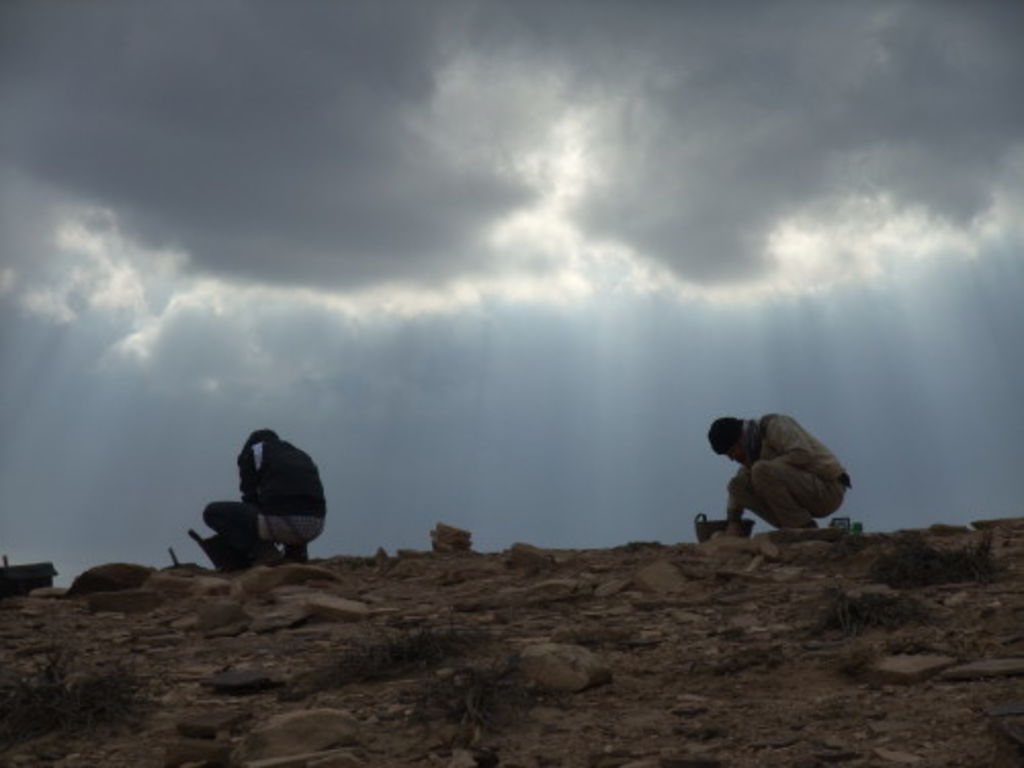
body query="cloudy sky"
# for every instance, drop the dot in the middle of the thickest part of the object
(500, 264)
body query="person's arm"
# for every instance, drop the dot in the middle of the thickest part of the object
(734, 517)
(248, 476)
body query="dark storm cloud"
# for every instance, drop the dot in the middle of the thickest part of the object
(265, 139)
(299, 142)
(772, 109)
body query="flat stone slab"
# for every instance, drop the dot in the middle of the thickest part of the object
(48, 593)
(262, 579)
(197, 752)
(730, 545)
(660, 576)
(110, 577)
(563, 667)
(985, 668)
(300, 732)
(241, 681)
(529, 558)
(998, 522)
(124, 601)
(283, 617)
(907, 669)
(333, 608)
(206, 725)
(797, 535)
(330, 757)
(689, 761)
(221, 612)
(1011, 708)
(612, 587)
(898, 757)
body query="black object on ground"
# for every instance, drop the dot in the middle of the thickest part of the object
(223, 557)
(18, 580)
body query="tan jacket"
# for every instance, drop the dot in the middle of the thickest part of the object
(784, 440)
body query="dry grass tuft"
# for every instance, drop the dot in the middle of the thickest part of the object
(852, 545)
(393, 655)
(853, 659)
(853, 614)
(53, 698)
(474, 698)
(913, 563)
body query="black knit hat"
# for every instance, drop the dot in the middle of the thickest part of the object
(259, 436)
(724, 433)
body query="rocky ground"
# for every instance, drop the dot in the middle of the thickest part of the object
(782, 650)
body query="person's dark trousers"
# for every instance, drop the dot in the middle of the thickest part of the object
(237, 524)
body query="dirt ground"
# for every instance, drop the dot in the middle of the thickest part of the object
(782, 650)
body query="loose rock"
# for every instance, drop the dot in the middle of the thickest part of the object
(563, 667)
(446, 538)
(295, 733)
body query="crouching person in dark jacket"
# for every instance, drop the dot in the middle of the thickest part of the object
(282, 503)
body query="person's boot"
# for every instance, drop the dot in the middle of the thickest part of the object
(265, 553)
(223, 557)
(296, 553)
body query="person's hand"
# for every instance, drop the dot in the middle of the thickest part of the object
(735, 528)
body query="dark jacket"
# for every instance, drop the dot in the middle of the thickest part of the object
(286, 481)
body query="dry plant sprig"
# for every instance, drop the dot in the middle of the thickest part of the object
(474, 698)
(913, 563)
(52, 698)
(394, 655)
(854, 614)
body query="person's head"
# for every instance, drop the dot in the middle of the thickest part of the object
(726, 438)
(261, 436)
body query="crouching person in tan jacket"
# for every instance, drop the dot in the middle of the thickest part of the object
(787, 476)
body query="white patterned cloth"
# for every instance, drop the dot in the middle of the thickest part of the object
(290, 529)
